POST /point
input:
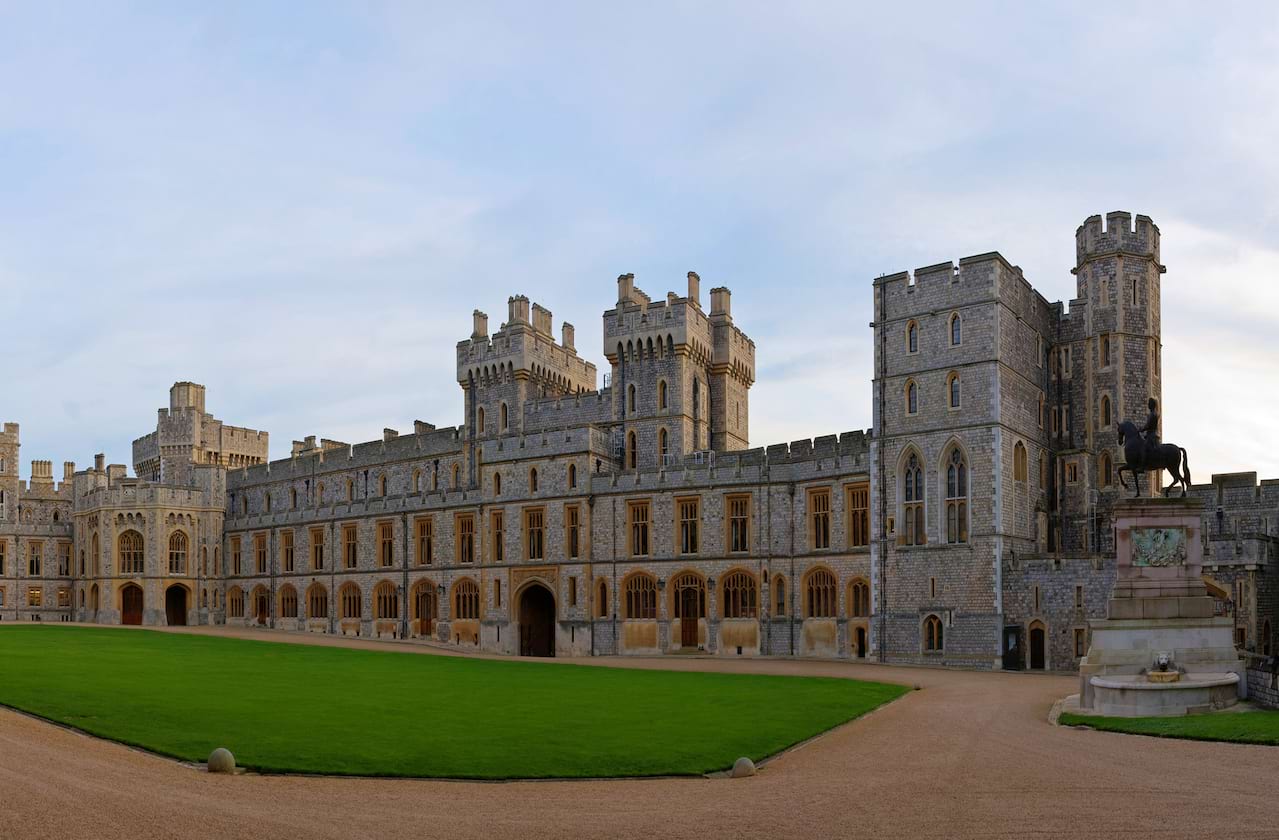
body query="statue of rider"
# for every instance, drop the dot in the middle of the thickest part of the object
(1150, 431)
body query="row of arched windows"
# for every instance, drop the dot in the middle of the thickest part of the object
(913, 493)
(953, 393)
(740, 596)
(955, 328)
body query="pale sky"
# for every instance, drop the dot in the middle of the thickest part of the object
(299, 205)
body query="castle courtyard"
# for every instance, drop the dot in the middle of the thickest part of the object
(969, 755)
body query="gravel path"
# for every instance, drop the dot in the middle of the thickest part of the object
(972, 755)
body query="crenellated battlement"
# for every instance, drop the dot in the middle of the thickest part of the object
(524, 348)
(1118, 234)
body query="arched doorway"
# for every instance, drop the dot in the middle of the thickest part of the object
(261, 605)
(537, 621)
(1038, 645)
(861, 642)
(93, 601)
(131, 604)
(425, 603)
(175, 606)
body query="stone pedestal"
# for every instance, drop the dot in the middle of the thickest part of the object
(1159, 606)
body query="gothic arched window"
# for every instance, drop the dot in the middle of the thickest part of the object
(912, 337)
(956, 497)
(913, 501)
(956, 330)
(912, 397)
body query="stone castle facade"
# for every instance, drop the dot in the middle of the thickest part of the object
(970, 527)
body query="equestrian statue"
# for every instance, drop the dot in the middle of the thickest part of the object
(1144, 453)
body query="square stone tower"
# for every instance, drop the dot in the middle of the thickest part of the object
(187, 435)
(9, 447)
(680, 379)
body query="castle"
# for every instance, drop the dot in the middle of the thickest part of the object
(969, 527)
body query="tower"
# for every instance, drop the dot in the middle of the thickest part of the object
(680, 379)
(1107, 364)
(9, 473)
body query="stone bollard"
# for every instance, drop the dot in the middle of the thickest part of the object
(742, 768)
(221, 761)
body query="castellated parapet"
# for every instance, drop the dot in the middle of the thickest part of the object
(1117, 236)
(185, 435)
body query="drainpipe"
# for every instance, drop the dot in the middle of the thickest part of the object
(790, 488)
(878, 441)
(590, 519)
(613, 583)
(404, 613)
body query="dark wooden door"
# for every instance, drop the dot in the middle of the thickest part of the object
(425, 613)
(1037, 648)
(175, 606)
(689, 613)
(861, 642)
(262, 608)
(131, 605)
(537, 622)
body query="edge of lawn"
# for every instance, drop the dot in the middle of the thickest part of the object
(1123, 726)
(265, 770)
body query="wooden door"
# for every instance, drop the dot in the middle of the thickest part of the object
(1037, 657)
(689, 613)
(131, 605)
(425, 613)
(1012, 648)
(861, 642)
(262, 608)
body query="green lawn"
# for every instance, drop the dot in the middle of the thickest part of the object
(299, 708)
(1242, 727)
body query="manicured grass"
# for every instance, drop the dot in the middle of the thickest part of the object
(299, 708)
(1242, 727)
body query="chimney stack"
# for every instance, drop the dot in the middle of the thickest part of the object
(99, 462)
(720, 301)
(518, 309)
(481, 324)
(567, 333)
(694, 287)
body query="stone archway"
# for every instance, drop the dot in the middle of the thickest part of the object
(175, 605)
(537, 621)
(131, 604)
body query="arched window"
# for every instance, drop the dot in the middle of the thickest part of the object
(532, 480)
(1106, 469)
(504, 416)
(381, 486)
(913, 501)
(319, 494)
(859, 599)
(912, 397)
(641, 596)
(95, 549)
(267, 503)
(1019, 462)
(466, 600)
(1043, 470)
(779, 595)
(417, 481)
(1041, 411)
(689, 592)
(661, 441)
(1105, 412)
(572, 475)
(350, 601)
(630, 398)
(130, 552)
(177, 553)
(956, 497)
(952, 388)
(317, 602)
(631, 455)
(235, 603)
(497, 484)
(350, 490)
(386, 602)
(956, 330)
(601, 599)
(479, 421)
(661, 393)
(293, 499)
(741, 596)
(819, 594)
(288, 602)
(457, 476)
(933, 640)
(912, 337)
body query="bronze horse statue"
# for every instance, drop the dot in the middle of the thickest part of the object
(1142, 458)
